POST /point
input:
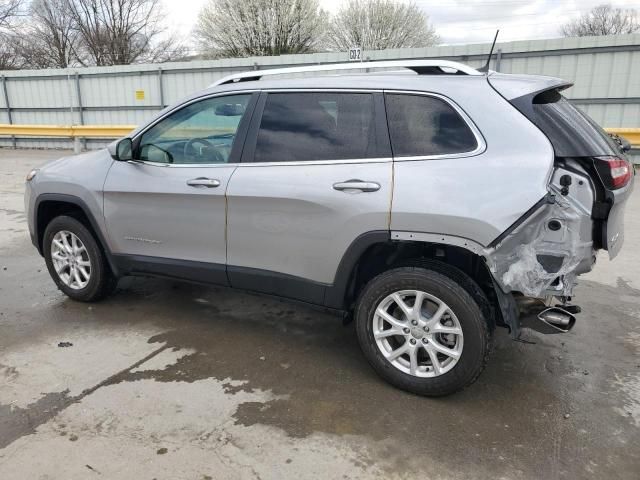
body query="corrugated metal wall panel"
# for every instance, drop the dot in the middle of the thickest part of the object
(604, 70)
(41, 92)
(120, 91)
(179, 85)
(121, 116)
(43, 118)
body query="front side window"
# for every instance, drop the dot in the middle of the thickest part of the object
(316, 126)
(421, 125)
(202, 132)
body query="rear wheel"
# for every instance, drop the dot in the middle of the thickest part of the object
(422, 331)
(75, 260)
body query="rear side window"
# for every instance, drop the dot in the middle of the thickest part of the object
(571, 132)
(421, 125)
(316, 126)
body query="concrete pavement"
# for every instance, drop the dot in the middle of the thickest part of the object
(174, 381)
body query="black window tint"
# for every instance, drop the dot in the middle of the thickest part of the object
(571, 132)
(316, 126)
(422, 125)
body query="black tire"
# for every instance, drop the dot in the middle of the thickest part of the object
(101, 281)
(467, 309)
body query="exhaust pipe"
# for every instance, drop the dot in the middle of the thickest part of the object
(550, 320)
(557, 318)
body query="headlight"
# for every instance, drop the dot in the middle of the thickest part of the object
(31, 174)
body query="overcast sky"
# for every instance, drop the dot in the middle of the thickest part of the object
(458, 21)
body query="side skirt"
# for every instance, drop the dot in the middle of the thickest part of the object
(240, 278)
(200, 272)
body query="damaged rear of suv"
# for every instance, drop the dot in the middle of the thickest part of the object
(428, 205)
(541, 255)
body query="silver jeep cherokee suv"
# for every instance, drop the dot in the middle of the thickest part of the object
(429, 204)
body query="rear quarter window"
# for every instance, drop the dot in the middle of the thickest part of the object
(421, 125)
(571, 132)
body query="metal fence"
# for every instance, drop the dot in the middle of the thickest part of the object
(605, 70)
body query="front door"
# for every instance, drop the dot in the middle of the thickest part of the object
(167, 206)
(316, 173)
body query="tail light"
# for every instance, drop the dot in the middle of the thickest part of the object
(614, 172)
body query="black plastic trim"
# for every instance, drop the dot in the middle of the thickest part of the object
(241, 133)
(200, 272)
(251, 139)
(524, 103)
(78, 202)
(274, 283)
(331, 296)
(335, 294)
(383, 138)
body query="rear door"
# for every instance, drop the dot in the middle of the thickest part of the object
(167, 207)
(316, 173)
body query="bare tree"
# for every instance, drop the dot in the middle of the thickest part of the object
(603, 20)
(120, 32)
(380, 24)
(8, 58)
(49, 39)
(241, 28)
(8, 10)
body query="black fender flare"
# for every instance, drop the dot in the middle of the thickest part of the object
(78, 202)
(335, 294)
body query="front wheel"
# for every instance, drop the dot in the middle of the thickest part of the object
(422, 331)
(75, 260)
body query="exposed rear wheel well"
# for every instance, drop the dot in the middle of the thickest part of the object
(449, 259)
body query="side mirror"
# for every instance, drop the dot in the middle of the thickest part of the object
(121, 150)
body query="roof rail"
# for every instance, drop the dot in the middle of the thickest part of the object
(421, 67)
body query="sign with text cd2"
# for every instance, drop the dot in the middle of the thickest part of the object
(355, 54)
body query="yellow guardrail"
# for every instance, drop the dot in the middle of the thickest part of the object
(91, 131)
(631, 134)
(116, 131)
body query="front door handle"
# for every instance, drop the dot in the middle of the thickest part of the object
(203, 182)
(357, 185)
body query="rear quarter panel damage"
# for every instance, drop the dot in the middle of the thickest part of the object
(544, 255)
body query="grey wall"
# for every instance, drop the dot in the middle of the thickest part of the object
(606, 72)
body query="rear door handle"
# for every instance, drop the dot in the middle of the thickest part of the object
(357, 185)
(203, 182)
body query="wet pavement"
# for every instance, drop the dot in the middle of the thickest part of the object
(177, 381)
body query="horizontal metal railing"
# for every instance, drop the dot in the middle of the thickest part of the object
(117, 131)
(631, 134)
(68, 131)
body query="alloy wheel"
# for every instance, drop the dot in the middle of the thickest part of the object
(70, 260)
(417, 333)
